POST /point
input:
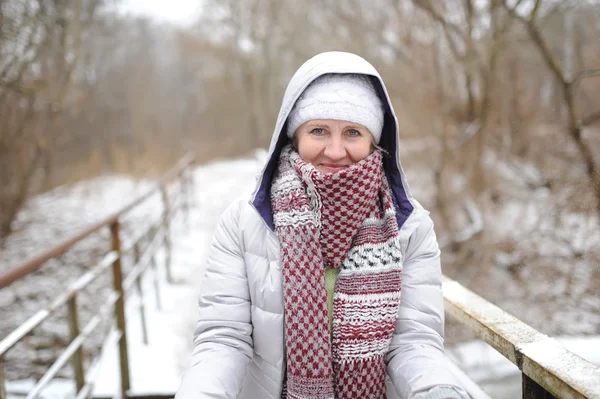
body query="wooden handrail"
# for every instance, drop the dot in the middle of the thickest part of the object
(26, 327)
(547, 367)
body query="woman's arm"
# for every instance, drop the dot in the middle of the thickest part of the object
(223, 336)
(416, 362)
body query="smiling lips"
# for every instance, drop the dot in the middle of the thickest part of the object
(332, 168)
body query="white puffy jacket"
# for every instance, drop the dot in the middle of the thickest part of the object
(239, 349)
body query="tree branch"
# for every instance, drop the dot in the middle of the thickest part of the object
(426, 6)
(538, 40)
(536, 9)
(590, 119)
(449, 27)
(588, 73)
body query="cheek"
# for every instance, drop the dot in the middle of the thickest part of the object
(309, 149)
(359, 150)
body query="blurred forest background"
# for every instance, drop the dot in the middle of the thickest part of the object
(498, 103)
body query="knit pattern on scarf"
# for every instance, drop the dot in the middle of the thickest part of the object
(344, 220)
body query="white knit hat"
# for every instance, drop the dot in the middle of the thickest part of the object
(345, 97)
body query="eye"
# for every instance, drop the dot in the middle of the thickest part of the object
(353, 133)
(318, 131)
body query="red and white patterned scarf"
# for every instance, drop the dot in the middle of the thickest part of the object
(345, 220)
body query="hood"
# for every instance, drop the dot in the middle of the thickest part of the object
(321, 64)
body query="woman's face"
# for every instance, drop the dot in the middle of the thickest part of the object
(332, 145)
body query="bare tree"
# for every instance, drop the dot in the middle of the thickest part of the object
(40, 48)
(569, 86)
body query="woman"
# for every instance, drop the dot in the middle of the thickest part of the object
(301, 297)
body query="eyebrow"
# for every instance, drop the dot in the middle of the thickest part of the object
(325, 126)
(322, 125)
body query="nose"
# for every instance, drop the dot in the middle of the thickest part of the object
(335, 149)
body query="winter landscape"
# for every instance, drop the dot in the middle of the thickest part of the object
(499, 118)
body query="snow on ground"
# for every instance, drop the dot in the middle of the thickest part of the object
(158, 366)
(49, 218)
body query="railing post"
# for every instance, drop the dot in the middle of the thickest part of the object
(138, 282)
(2, 380)
(120, 309)
(184, 197)
(191, 185)
(532, 390)
(156, 283)
(166, 226)
(78, 355)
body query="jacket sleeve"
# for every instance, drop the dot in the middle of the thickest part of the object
(222, 344)
(416, 362)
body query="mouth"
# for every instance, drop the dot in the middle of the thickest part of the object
(332, 168)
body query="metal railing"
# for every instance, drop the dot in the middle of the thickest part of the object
(548, 369)
(114, 304)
